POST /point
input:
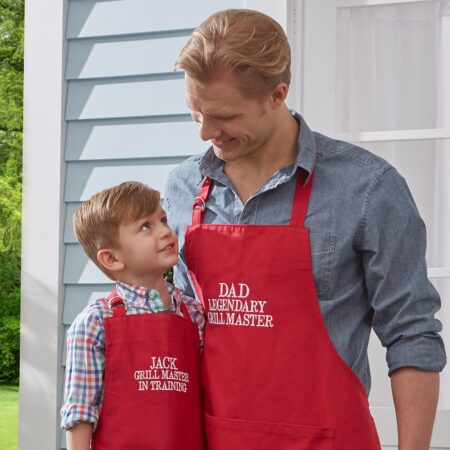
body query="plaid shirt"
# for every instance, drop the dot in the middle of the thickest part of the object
(86, 347)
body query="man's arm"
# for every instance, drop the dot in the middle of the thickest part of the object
(79, 436)
(415, 395)
(393, 241)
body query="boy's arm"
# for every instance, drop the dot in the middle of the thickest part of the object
(84, 370)
(79, 436)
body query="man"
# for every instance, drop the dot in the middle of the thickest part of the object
(297, 244)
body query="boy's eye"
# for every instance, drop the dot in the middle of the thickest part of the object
(145, 226)
(164, 220)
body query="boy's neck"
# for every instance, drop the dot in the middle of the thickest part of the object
(157, 284)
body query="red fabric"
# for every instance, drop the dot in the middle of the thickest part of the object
(272, 378)
(144, 354)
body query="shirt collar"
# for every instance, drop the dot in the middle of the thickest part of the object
(211, 166)
(145, 298)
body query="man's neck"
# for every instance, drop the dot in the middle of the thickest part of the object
(250, 173)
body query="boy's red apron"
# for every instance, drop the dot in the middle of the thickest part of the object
(272, 378)
(152, 382)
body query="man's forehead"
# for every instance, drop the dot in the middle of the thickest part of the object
(215, 97)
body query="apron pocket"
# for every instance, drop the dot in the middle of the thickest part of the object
(231, 434)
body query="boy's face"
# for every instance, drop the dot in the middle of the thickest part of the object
(147, 248)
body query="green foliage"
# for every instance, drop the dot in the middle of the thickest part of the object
(168, 275)
(9, 285)
(11, 136)
(9, 317)
(9, 349)
(11, 98)
(11, 34)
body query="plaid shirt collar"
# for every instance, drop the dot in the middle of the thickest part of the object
(143, 298)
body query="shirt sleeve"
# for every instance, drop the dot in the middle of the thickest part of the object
(392, 241)
(84, 371)
(181, 277)
(197, 313)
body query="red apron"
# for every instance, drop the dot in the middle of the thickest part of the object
(271, 375)
(152, 382)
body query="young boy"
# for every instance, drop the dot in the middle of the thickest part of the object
(132, 372)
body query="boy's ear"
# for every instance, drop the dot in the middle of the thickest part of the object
(108, 259)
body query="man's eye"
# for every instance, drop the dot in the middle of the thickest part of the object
(196, 117)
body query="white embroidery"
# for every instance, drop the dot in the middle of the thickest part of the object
(233, 307)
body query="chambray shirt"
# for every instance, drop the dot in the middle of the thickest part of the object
(367, 245)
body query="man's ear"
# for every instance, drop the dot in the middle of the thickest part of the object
(279, 94)
(108, 259)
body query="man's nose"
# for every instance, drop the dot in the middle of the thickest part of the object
(208, 130)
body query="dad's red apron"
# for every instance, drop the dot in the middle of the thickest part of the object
(152, 382)
(272, 377)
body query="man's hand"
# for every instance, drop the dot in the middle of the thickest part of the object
(79, 436)
(415, 395)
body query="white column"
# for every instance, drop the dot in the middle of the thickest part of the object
(43, 175)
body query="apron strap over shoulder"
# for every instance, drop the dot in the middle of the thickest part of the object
(199, 205)
(116, 304)
(301, 198)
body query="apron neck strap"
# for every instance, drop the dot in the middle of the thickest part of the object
(199, 205)
(301, 198)
(116, 304)
(299, 207)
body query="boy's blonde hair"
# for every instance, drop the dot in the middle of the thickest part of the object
(245, 43)
(96, 222)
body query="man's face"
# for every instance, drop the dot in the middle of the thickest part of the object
(237, 126)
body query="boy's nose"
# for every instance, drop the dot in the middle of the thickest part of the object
(165, 230)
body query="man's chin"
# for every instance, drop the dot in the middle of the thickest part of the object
(226, 156)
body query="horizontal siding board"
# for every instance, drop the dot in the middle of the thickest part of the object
(88, 18)
(133, 138)
(97, 99)
(79, 269)
(69, 234)
(122, 57)
(86, 178)
(77, 297)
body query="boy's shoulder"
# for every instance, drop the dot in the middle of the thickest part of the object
(92, 315)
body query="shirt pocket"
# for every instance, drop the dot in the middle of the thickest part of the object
(322, 254)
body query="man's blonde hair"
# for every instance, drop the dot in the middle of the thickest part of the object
(96, 222)
(247, 44)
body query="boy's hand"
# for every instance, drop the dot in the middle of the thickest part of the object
(79, 436)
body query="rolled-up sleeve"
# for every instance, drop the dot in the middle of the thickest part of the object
(392, 242)
(84, 372)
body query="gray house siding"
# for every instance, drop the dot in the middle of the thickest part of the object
(126, 113)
